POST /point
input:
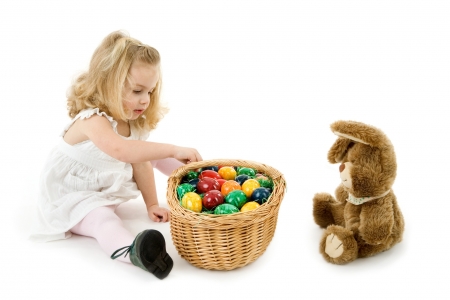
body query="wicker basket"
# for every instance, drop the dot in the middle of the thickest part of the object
(223, 242)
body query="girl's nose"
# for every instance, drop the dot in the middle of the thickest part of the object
(341, 168)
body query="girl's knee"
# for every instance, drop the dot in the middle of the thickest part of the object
(166, 165)
(98, 216)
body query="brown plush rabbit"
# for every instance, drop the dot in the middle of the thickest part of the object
(364, 219)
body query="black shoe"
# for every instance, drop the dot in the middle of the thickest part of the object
(148, 252)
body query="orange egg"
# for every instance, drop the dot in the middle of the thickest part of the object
(229, 186)
(228, 173)
(249, 186)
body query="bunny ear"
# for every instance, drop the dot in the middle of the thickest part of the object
(360, 132)
(347, 136)
(339, 149)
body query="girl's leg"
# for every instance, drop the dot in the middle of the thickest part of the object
(166, 165)
(107, 228)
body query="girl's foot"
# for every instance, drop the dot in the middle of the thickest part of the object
(148, 252)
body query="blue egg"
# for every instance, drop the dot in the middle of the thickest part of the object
(241, 178)
(260, 195)
(194, 182)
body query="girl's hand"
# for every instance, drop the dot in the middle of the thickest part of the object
(187, 155)
(158, 214)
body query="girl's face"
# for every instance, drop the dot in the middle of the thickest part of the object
(144, 78)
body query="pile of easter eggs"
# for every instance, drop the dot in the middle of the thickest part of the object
(224, 190)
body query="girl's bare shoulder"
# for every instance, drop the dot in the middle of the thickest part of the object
(77, 132)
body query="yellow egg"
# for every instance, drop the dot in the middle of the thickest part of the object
(192, 201)
(227, 173)
(249, 186)
(250, 206)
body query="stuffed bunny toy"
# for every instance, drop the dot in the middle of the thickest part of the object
(364, 219)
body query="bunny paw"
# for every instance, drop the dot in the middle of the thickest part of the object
(333, 246)
(338, 246)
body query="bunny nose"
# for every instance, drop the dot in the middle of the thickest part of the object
(341, 168)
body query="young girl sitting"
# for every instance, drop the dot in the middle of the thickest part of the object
(103, 158)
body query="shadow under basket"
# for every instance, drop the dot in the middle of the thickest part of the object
(223, 242)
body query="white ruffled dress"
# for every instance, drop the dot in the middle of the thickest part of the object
(78, 178)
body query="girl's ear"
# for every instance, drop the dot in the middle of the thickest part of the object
(339, 149)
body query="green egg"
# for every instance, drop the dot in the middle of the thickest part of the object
(190, 175)
(225, 209)
(184, 188)
(236, 198)
(247, 171)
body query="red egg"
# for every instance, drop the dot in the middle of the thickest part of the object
(209, 174)
(207, 184)
(221, 182)
(212, 199)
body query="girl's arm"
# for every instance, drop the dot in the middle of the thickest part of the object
(98, 129)
(145, 180)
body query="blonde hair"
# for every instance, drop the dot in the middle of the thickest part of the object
(102, 85)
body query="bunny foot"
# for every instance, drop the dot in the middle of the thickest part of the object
(338, 246)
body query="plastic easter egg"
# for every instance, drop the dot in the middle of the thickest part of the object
(189, 176)
(229, 186)
(249, 186)
(192, 201)
(250, 206)
(194, 182)
(209, 174)
(225, 209)
(212, 199)
(228, 173)
(236, 198)
(207, 184)
(247, 171)
(221, 182)
(184, 188)
(260, 195)
(214, 168)
(241, 178)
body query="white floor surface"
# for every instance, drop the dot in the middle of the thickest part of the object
(254, 80)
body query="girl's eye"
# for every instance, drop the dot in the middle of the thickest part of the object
(136, 92)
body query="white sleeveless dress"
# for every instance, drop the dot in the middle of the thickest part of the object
(76, 179)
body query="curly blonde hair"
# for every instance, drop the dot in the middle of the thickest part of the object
(102, 85)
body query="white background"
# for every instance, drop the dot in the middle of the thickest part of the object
(254, 80)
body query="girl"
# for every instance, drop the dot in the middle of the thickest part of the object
(103, 159)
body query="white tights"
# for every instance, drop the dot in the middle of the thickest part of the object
(106, 227)
(166, 165)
